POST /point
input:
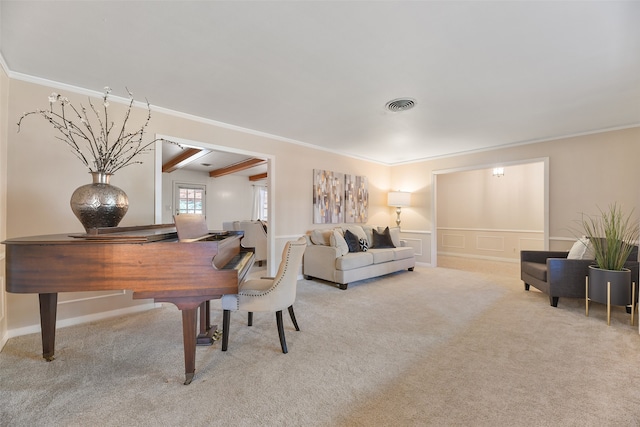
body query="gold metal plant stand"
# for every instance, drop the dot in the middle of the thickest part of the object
(634, 306)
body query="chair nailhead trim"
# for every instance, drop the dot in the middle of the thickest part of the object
(286, 265)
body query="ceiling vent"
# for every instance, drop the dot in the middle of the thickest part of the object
(400, 104)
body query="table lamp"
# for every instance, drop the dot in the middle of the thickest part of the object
(399, 199)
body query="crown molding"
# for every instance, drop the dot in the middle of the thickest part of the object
(179, 114)
(83, 91)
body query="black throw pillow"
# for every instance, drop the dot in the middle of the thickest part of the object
(352, 241)
(382, 240)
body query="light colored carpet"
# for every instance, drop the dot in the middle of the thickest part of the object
(433, 347)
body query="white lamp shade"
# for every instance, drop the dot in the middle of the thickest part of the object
(399, 199)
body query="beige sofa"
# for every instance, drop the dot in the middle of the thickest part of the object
(328, 256)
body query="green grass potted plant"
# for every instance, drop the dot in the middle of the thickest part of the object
(613, 235)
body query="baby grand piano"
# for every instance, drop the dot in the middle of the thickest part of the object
(149, 260)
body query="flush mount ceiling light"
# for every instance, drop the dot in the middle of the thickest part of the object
(400, 104)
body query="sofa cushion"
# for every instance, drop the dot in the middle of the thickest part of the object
(368, 230)
(382, 255)
(352, 241)
(337, 241)
(364, 245)
(382, 240)
(321, 237)
(535, 269)
(354, 260)
(403, 253)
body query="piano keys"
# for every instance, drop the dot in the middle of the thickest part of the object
(148, 260)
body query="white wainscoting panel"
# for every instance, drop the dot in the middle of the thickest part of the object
(499, 244)
(490, 243)
(531, 244)
(416, 244)
(450, 240)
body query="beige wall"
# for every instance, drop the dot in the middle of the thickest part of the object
(484, 216)
(477, 199)
(584, 172)
(42, 175)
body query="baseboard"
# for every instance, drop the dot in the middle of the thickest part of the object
(32, 329)
(482, 257)
(423, 264)
(3, 341)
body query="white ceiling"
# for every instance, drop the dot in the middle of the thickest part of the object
(484, 74)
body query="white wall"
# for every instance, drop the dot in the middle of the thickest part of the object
(231, 199)
(228, 197)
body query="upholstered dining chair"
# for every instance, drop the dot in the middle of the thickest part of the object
(268, 294)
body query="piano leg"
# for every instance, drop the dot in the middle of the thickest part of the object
(189, 336)
(48, 310)
(189, 308)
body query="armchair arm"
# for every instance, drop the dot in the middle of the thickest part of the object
(541, 256)
(559, 269)
(566, 277)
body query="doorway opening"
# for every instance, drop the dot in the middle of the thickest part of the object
(478, 214)
(165, 203)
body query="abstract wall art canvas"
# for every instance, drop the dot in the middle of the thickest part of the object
(328, 197)
(356, 198)
(339, 198)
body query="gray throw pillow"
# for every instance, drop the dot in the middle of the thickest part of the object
(382, 240)
(352, 241)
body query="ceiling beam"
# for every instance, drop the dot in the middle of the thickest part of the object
(182, 159)
(258, 177)
(246, 164)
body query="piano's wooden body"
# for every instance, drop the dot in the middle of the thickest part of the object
(148, 260)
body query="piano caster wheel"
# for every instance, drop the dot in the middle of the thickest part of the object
(188, 378)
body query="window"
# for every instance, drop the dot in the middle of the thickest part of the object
(190, 198)
(260, 203)
(264, 204)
